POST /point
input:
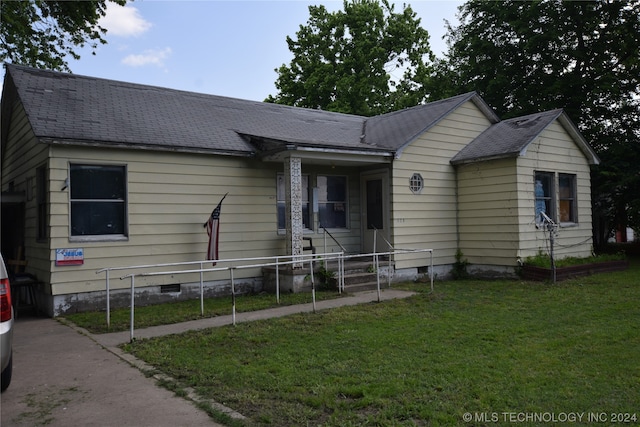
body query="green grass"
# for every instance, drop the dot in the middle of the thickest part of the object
(543, 260)
(479, 347)
(182, 311)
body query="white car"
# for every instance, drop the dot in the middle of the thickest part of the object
(6, 327)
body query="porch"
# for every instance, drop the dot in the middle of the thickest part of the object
(356, 273)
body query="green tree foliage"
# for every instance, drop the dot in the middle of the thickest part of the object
(524, 57)
(42, 33)
(366, 59)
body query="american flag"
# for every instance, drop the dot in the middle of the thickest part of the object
(213, 228)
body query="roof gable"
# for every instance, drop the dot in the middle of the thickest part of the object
(397, 129)
(510, 138)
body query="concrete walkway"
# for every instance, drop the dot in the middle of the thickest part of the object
(65, 376)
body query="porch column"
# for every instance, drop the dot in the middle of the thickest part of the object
(293, 206)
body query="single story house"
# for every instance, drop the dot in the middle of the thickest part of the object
(99, 173)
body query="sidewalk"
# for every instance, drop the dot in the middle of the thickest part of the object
(65, 376)
(117, 338)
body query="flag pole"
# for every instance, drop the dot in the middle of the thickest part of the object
(221, 200)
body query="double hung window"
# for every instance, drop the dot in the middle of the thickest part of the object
(98, 200)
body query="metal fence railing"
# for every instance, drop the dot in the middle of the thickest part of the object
(247, 263)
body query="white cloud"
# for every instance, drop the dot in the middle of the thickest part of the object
(124, 21)
(149, 57)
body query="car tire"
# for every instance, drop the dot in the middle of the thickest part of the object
(5, 377)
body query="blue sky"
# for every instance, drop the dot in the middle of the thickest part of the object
(228, 48)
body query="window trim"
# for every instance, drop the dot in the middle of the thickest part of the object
(416, 183)
(537, 177)
(309, 203)
(314, 217)
(573, 199)
(554, 197)
(101, 237)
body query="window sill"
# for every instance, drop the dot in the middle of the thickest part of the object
(282, 232)
(568, 224)
(336, 230)
(115, 238)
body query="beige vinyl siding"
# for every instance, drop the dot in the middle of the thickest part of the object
(555, 151)
(170, 197)
(22, 156)
(488, 212)
(428, 219)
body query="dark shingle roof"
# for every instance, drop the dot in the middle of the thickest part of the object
(68, 108)
(510, 138)
(401, 127)
(507, 138)
(73, 108)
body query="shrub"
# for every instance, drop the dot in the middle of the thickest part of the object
(459, 270)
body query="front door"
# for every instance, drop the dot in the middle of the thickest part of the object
(375, 212)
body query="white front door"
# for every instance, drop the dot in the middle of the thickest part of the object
(375, 211)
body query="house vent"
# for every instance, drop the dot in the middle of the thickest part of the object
(416, 183)
(173, 288)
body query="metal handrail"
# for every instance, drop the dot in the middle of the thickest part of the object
(202, 270)
(391, 248)
(389, 245)
(295, 259)
(332, 238)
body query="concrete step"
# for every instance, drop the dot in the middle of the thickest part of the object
(359, 287)
(359, 274)
(356, 278)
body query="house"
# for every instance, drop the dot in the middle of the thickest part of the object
(99, 173)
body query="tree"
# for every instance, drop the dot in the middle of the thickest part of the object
(344, 61)
(41, 33)
(524, 57)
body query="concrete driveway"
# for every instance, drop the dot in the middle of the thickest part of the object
(63, 378)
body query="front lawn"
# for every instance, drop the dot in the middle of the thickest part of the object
(472, 353)
(183, 311)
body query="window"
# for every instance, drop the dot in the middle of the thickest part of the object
(332, 201)
(281, 197)
(98, 200)
(552, 203)
(567, 197)
(41, 202)
(416, 183)
(544, 196)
